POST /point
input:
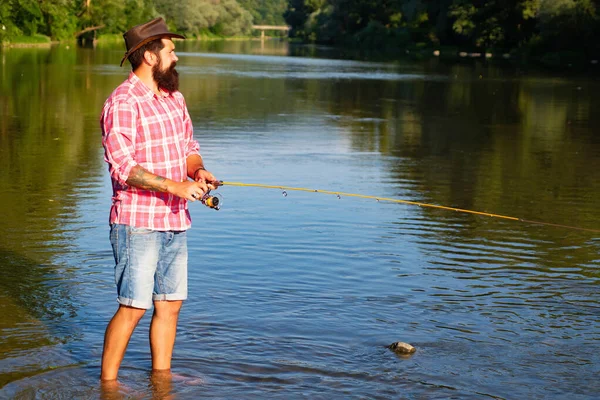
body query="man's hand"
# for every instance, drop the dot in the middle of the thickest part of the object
(203, 175)
(197, 172)
(190, 190)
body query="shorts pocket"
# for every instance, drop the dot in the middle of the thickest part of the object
(139, 231)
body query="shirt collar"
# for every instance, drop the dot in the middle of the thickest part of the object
(142, 90)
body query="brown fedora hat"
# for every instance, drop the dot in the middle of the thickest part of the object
(139, 35)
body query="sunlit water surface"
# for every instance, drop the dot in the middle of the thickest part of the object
(298, 296)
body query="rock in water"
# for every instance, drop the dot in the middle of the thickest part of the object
(402, 348)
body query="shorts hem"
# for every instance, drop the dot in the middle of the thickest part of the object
(169, 297)
(133, 303)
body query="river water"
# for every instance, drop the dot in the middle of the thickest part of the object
(298, 296)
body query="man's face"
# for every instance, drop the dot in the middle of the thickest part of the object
(163, 72)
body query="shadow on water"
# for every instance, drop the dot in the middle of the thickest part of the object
(48, 150)
(30, 304)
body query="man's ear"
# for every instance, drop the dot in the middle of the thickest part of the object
(149, 58)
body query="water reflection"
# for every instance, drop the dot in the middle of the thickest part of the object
(304, 292)
(46, 116)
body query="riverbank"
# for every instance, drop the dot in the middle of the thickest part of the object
(557, 61)
(29, 41)
(566, 60)
(43, 41)
(114, 40)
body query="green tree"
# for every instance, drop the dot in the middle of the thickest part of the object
(298, 14)
(266, 12)
(225, 17)
(476, 24)
(498, 23)
(568, 24)
(54, 18)
(115, 16)
(8, 29)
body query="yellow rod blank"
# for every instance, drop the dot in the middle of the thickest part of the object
(414, 203)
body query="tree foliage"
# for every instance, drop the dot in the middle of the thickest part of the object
(64, 19)
(534, 25)
(557, 25)
(266, 12)
(224, 17)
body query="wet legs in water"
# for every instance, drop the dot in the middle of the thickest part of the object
(163, 328)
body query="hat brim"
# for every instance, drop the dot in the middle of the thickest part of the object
(149, 39)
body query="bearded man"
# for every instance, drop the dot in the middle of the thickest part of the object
(155, 168)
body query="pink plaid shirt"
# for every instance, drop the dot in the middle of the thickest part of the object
(155, 132)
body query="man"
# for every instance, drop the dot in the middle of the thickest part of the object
(148, 143)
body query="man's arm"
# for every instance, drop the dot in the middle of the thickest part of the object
(196, 171)
(144, 179)
(141, 178)
(194, 165)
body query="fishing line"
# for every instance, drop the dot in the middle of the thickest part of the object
(414, 203)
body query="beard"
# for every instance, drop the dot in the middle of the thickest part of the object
(167, 80)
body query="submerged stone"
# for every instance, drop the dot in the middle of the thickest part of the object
(402, 348)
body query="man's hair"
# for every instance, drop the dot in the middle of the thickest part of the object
(137, 57)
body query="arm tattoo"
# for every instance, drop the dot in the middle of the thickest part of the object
(143, 179)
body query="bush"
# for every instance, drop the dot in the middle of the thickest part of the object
(33, 39)
(110, 38)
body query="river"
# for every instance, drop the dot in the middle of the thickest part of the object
(297, 294)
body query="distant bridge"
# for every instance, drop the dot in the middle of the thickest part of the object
(264, 28)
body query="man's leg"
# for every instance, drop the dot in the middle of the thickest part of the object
(170, 289)
(136, 252)
(116, 338)
(163, 329)
(161, 383)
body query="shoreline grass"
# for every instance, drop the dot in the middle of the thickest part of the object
(28, 41)
(42, 40)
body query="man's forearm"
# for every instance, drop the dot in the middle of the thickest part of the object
(194, 164)
(143, 179)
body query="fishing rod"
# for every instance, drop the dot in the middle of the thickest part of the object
(213, 202)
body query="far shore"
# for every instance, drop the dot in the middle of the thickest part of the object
(45, 44)
(566, 61)
(118, 38)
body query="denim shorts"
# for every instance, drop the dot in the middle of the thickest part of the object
(149, 265)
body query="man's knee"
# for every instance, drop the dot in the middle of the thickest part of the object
(131, 314)
(167, 309)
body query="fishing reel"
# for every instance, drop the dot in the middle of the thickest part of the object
(211, 201)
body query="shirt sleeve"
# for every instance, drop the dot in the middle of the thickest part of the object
(118, 124)
(191, 146)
